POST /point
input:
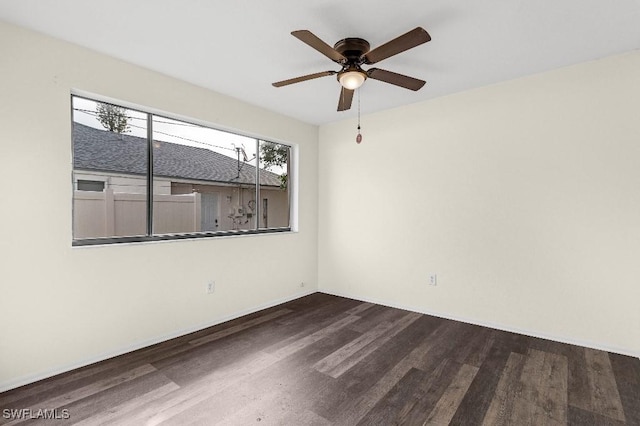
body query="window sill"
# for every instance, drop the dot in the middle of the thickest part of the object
(173, 237)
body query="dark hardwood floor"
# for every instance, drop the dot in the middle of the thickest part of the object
(323, 360)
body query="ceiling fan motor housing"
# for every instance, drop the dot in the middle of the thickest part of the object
(353, 49)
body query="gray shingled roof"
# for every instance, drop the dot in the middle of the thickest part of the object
(101, 150)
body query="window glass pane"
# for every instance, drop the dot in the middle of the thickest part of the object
(274, 185)
(110, 157)
(204, 180)
(90, 185)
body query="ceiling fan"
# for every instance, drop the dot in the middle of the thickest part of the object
(351, 53)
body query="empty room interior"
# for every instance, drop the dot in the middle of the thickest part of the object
(320, 213)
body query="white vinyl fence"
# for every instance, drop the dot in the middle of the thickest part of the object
(109, 214)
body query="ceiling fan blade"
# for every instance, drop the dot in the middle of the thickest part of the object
(395, 78)
(406, 41)
(346, 96)
(312, 40)
(303, 78)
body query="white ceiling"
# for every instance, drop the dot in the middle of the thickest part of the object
(240, 47)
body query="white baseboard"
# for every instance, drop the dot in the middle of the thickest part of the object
(560, 339)
(25, 380)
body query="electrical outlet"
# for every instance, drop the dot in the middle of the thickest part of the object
(433, 279)
(211, 287)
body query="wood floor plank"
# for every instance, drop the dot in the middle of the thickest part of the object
(477, 347)
(61, 400)
(553, 394)
(375, 377)
(124, 409)
(344, 360)
(448, 404)
(543, 395)
(625, 368)
(312, 313)
(413, 397)
(367, 350)
(418, 409)
(476, 402)
(327, 364)
(317, 301)
(605, 399)
(360, 308)
(630, 398)
(273, 408)
(550, 346)
(579, 387)
(501, 408)
(374, 316)
(389, 407)
(121, 395)
(579, 417)
(240, 327)
(305, 325)
(302, 342)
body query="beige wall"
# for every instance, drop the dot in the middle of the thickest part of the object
(62, 306)
(523, 197)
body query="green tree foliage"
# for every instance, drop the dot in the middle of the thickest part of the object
(275, 155)
(112, 117)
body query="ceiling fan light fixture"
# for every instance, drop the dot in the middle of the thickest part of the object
(352, 79)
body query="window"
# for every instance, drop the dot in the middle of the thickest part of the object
(90, 185)
(139, 176)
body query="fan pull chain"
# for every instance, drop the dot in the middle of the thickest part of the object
(359, 136)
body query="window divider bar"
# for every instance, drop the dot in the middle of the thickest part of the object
(257, 204)
(289, 182)
(149, 174)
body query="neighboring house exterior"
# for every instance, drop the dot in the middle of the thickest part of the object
(195, 189)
